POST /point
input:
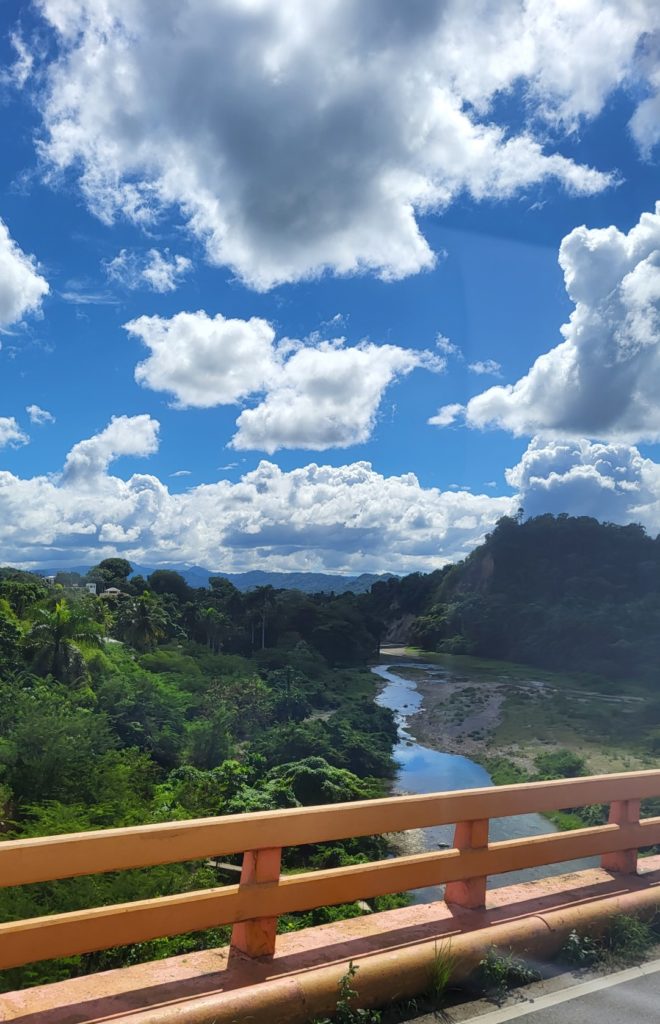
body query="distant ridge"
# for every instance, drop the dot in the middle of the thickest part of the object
(307, 582)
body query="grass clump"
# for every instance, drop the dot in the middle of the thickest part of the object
(580, 951)
(442, 970)
(628, 940)
(429, 1001)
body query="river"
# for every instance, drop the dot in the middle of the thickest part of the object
(424, 770)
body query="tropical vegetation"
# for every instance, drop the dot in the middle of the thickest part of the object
(156, 701)
(559, 592)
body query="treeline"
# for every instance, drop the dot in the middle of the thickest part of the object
(165, 607)
(155, 701)
(559, 592)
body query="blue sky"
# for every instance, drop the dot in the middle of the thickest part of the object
(392, 196)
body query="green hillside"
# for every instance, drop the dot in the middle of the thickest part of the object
(553, 591)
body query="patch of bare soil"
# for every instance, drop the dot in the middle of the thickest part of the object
(456, 715)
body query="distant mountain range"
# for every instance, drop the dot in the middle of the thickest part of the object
(308, 582)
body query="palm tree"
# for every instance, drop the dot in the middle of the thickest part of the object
(142, 622)
(258, 602)
(54, 637)
(215, 626)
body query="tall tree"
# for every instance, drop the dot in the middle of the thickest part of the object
(166, 581)
(53, 640)
(259, 602)
(114, 572)
(142, 621)
(215, 626)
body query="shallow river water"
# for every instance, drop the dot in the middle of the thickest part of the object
(424, 770)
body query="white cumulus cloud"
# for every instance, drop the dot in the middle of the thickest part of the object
(160, 271)
(21, 285)
(315, 394)
(346, 519)
(446, 415)
(300, 137)
(326, 396)
(38, 415)
(11, 434)
(205, 361)
(645, 122)
(124, 435)
(612, 482)
(603, 380)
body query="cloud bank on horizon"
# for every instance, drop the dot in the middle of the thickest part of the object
(348, 518)
(294, 145)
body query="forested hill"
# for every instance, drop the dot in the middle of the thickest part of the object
(554, 591)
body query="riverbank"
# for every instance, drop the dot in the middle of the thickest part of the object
(424, 769)
(500, 713)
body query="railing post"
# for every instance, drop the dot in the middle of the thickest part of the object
(470, 893)
(257, 937)
(622, 812)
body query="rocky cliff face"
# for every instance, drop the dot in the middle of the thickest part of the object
(398, 631)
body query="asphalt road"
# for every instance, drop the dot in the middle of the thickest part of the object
(628, 997)
(637, 1000)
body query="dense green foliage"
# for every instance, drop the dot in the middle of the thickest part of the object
(165, 702)
(553, 591)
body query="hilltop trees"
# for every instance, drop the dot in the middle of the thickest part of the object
(554, 591)
(166, 581)
(21, 590)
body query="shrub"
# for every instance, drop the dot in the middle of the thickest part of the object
(498, 972)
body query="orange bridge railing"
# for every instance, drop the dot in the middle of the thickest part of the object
(253, 906)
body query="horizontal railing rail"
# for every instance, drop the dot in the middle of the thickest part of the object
(263, 894)
(85, 853)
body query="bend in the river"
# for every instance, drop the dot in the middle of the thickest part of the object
(424, 770)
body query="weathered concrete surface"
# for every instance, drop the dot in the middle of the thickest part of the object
(394, 951)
